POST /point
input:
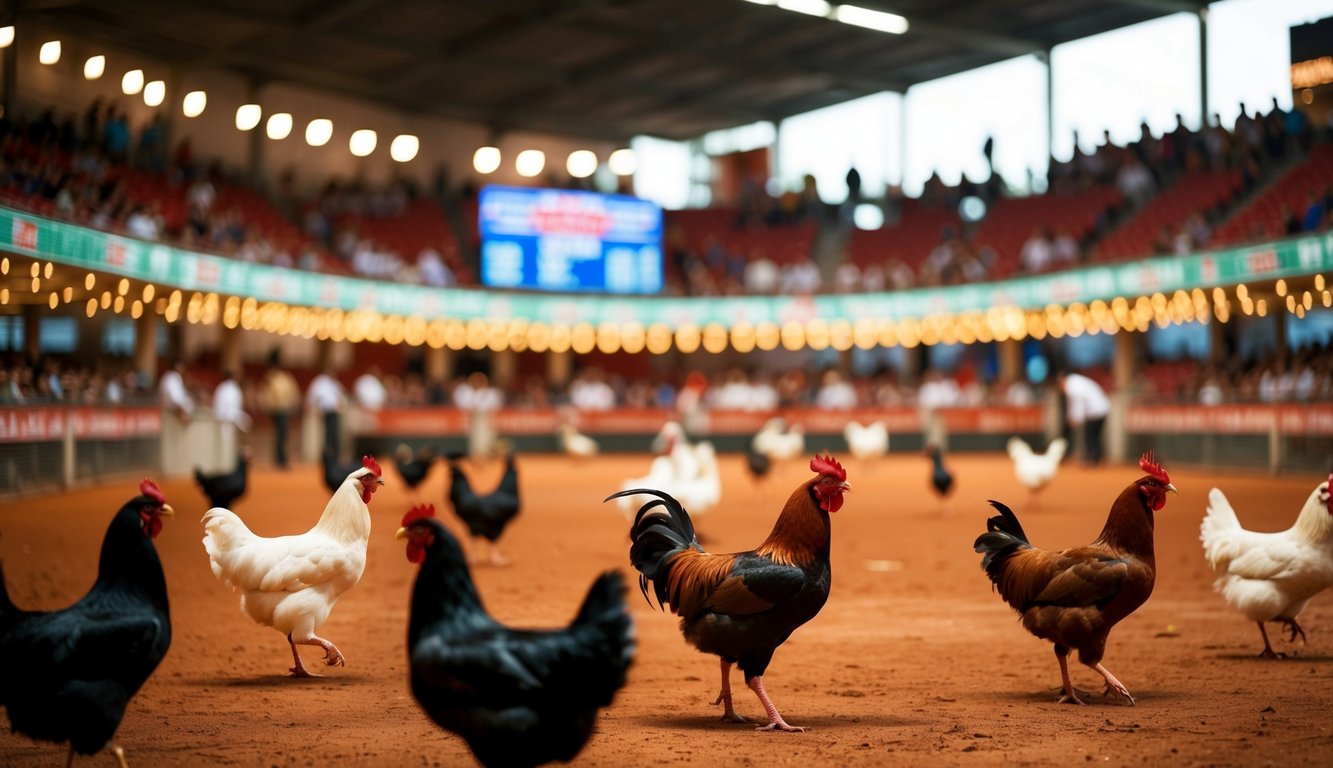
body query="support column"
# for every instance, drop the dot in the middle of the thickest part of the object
(325, 356)
(1203, 68)
(11, 64)
(1124, 369)
(559, 368)
(145, 346)
(256, 149)
(1280, 315)
(1050, 106)
(504, 368)
(229, 350)
(1217, 341)
(438, 364)
(1125, 366)
(1010, 354)
(32, 329)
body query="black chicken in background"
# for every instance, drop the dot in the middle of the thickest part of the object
(486, 516)
(941, 479)
(67, 675)
(413, 468)
(519, 697)
(224, 488)
(335, 471)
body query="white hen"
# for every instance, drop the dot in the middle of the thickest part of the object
(779, 442)
(697, 494)
(291, 583)
(1271, 576)
(576, 444)
(1034, 470)
(866, 442)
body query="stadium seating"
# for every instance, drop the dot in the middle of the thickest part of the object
(1197, 192)
(1264, 217)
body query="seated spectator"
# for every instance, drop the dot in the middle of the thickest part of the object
(835, 393)
(1065, 250)
(1037, 253)
(433, 270)
(141, 224)
(847, 278)
(1135, 181)
(590, 392)
(761, 274)
(801, 278)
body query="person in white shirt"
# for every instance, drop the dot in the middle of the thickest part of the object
(937, 393)
(325, 395)
(369, 390)
(1086, 405)
(590, 392)
(835, 393)
(480, 400)
(173, 392)
(228, 403)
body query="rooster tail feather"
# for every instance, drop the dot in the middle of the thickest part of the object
(1219, 523)
(662, 528)
(1003, 537)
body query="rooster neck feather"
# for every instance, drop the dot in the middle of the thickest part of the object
(1129, 526)
(346, 518)
(1315, 523)
(128, 560)
(801, 533)
(444, 591)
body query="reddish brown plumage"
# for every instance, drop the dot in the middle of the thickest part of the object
(1073, 597)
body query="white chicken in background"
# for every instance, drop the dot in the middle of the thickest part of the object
(671, 442)
(576, 444)
(779, 442)
(870, 441)
(1034, 470)
(291, 583)
(697, 494)
(1271, 576)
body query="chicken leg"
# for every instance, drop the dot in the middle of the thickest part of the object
(1295, 630)
(332, 656)
(775, 721)
(1268, 652)
(724, 697)
(1112, 685)
(497, 559)
(1069, 694)
(119, 753)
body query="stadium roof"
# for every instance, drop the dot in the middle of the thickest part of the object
(588, 68)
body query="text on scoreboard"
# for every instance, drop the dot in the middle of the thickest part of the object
(569, 240)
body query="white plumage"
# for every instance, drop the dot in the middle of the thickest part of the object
(1034, 470)
(291, 583)
(697, 493)
(1270, 576)
(575, 443)
(779, 442)
(870, 441)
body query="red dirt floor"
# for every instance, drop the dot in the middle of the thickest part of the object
(913, 661)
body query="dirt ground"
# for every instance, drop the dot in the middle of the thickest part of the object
(913, 659)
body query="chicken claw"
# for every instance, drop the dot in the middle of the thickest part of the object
(1071, 697)
(333, 657)
(1113, 685)
(728, 716)
(780, 725)
(1294, 629)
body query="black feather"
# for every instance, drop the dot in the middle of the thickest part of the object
(1004, 536)
(485, 515)
(224, 488)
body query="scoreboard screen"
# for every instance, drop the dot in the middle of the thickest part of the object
(569, 240)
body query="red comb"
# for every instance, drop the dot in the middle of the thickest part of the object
(150, 489)
(369, 463)
(419, 512)
(827, 465)
(1148, 463)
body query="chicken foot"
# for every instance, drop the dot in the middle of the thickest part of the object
(1112, 684)
(1069, 694)
(1292, 627)
(332, 656)
(775, 721)
(724, 697)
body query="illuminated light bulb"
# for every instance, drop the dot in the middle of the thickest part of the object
(1327, 298)
(1291, 303)
(53, 300)
(123, 287)
(362, 142)
(136, 309)
(194, 103)
(94, 67)
(154, 93)
(1242, 292)
(91, 308)
(248, 116)
(49, 270)
(319, 131)
(623, 162)
(1307, 300)
(119, 304)
(1261, 307)
(36, 270)
(4, 295)
(50, 52)
(715, 338)
(1281, 287)
(148, 291)
(68, 294)
(530, 162)
(131, 82)
(36, 284)
(404, 147)
(1319, 282)
(4, 265)
(279, 126)
(581, 163)
(486, 160)
(6, 36)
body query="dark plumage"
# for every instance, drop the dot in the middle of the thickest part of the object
(224, 488)
(759, 464)
(941, 479)
(486, 515)
(336, 472)
(68, 675)
(413, 468)
(519, 697)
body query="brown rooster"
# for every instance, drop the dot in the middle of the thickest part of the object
(1073, 597)
(742, 606)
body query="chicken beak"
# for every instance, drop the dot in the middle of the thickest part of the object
(167, 511)
(1171, 488)
(846, 487)
(400, 534)
(379, 480)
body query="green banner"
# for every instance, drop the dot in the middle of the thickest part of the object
(171, 267)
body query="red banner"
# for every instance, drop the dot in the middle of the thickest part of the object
(1287, 419)
(52, 423)
(517, 421)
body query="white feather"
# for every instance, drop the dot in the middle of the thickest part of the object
(867, 442)
(1035, 470)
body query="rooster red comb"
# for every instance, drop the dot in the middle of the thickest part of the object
(369, 463)
(1148, 463)
(149, 488)
(827, 465)
(419, 512)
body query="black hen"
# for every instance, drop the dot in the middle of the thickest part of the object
(518, 697)
(941, 479)
(225, 487)
(67, 675)
(758, 463)
(335, 472)
(413, 468)
(485, 516)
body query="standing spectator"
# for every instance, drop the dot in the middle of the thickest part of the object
(937, 393)
(369, 390)
(1086, 405)
(141, 224)
(173, 392)
(835, 393)
(279, 397)
(229, 411)
(326, 396)
(480, 400)
(761, 274)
